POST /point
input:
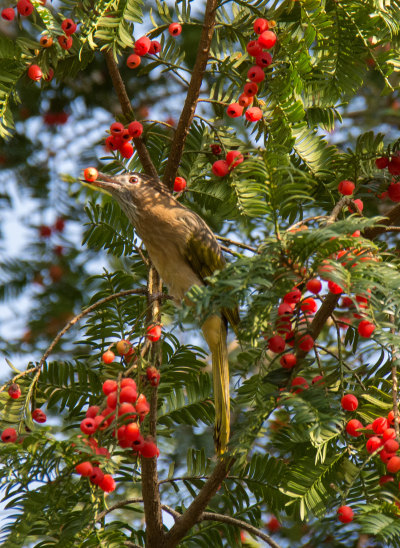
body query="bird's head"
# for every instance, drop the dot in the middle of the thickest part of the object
(133, 191)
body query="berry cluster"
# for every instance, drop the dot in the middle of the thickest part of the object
(144, 45)
(121, 137)
(24, 8)
(220, 168)
(256, 48)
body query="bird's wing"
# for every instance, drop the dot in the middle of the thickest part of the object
(204, 255)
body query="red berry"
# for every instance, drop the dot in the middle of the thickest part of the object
(288, 361)
(113, 142)
(128, 382)
(309, 306)
(109, 386)
(8, 14)
(142, 46)
(116, 128)
(292, 296)
(385, 456)
(90, 174)
(132, 432)
(108, 357)
(306, 343)
(126, 150)
(175, 29)
(142, 405)
(285, 309)
(345, 514)
(373, 444)
(382, 162)
(393, 465)
(385, 479)
(391, 417)
(92, 411)
(154, 333)
(255, 74)
(127, 409)
(352, 428)
(65, 42)
(135, 129)
(112, 400)
(359, 204)
(84, 469)
(35, 73)
(24, 7)
(253, 114)
(128, 394)
(59, 225)
(301, 383)
(234, 158)
(153, 375)
(245, 100)
(9, 435)
(220, 168)
(68, 26)
(138, 443)
(346, 188)
(107, 483)
(389, 434)
(263, 59)
(349, 402)
(216, 149)
(391, 446)
(234, 110)
(149, 449)
(96, 476)
(267, 39)
(88, 426)
(334, 288)
(393, 192)
(273, 525)
(317, 379)
(179, 184)
(365, 329)
(133, 61)
(155, 47)
(394, 166)
(250, 88)
(380, 425)
(14, 391)
(123, 347)
(260, 25)
(253, 48)
(276, 344)
(39, 416)
(314, 286)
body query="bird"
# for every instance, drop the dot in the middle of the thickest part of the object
(185, 252)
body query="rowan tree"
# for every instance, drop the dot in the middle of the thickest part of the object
(282, 117)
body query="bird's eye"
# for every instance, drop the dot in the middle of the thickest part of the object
(134, 179)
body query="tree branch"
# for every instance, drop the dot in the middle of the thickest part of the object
(115, 506)
(239, 523)
(193, 513)
(155, 536)
(192, 96)
(127, 110)
(392, 218)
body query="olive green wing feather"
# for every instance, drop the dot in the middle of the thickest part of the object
(204, 255)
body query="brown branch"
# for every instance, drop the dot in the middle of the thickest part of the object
(115, 506)
(193, 513)
(239, 523)
(155, 537)
(192, 96)
(392, 218)
(338, 208)
(127, 110)
(238, 244)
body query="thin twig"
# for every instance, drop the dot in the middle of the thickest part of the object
(395, 384)
(171, 511)
(127, 110)
(345, 201)
(239, 523)
(193, 92)
(115, 506)
(238, 244)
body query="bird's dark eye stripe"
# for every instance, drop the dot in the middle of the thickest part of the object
(134, 179)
